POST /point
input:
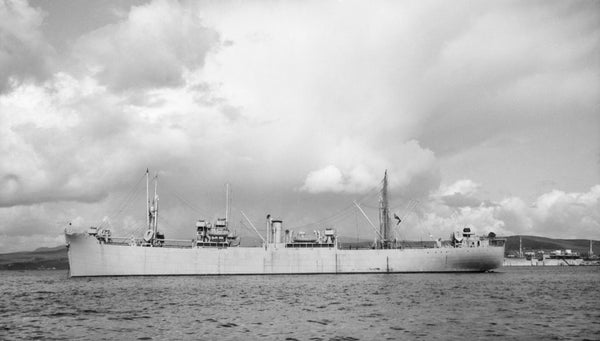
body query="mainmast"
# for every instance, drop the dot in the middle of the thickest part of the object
(151, 209)
(155, 227)
(148, 198)
(384, 215)
(227, 206)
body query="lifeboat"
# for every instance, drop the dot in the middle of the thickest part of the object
(303, 238)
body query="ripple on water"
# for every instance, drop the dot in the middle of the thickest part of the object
(48, 305)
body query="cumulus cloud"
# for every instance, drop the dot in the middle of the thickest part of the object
(327, 179)
(554, 214)
(305, 101)
(153, 47)
(560, 213)
(557, 214)
(460, 194)
(24, 54)
(464, 186)
(45, 144)
(69, 139)
(362, 169)
(331, 179)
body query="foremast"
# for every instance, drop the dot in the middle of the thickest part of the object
(152, 210)
(384, 216)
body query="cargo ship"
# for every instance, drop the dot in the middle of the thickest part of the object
(215, 250)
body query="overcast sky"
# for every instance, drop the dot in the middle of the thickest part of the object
(484, 113)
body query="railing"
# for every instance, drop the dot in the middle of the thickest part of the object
(309, 245)
(172, 243)
(212, 244)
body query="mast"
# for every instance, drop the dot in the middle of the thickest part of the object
(155, 228)
(268, 229)
(384, 215)
(226, 205)
(147, 199)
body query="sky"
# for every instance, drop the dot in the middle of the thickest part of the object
(484, 114)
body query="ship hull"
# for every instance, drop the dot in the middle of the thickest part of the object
(89, 257)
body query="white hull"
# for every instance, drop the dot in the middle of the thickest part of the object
(88, 257)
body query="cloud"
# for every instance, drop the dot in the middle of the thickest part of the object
(69, 139)
(331, 179)
(328, 179)
(24, 55)
(465, 187)
(490, 77)
(362, 169)
(301, 105)
(560, 213)
(554, 214)
(30, 242)
(462, 193)
(32, 226)
(516, 215)
(153, 47)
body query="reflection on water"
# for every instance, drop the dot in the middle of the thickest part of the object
(513, 303)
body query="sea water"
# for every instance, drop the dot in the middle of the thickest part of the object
(546, 303)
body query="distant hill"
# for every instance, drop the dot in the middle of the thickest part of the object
(56, 257)
(42, 258)
(531, 243)
(50, 249)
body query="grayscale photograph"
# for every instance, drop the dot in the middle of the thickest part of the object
(318, 170)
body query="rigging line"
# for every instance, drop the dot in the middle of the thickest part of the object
(182, 199)
(369, 206)
(140, 228)
(187, 203)
(325, 224)
(122, 209)
(410, 208)
(127, 201)
(373, 191)
(244, 226)
(424, 227)
(369, 220)
(370, 193)
(333, 217)
(137, 229)
(356, 222)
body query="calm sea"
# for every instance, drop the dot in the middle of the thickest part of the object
(546, 303)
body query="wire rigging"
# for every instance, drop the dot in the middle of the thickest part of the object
(341, 214)
(127, 201)
(168, 190)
